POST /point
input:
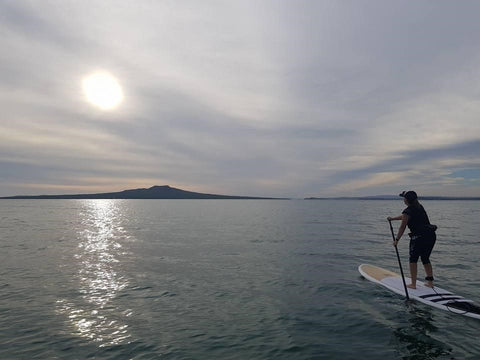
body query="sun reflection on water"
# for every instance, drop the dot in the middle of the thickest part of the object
(99, 275)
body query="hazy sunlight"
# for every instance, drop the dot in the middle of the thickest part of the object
(103, 90)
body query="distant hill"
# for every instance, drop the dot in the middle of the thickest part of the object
(393, 197)
(155, 192)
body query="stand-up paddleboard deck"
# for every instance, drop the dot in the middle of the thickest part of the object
(436, 297)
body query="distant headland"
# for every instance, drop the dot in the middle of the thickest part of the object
(393, 197)
(155, 192)
(168, 192)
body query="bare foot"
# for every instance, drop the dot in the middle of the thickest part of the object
(411, 286)
(429, 284)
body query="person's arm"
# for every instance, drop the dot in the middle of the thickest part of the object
(401, 229)
(394, 218)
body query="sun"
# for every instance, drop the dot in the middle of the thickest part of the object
(103, 90)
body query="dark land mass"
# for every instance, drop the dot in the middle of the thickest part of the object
(155, 192)
(394, 197)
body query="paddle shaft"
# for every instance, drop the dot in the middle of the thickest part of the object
(399, 262)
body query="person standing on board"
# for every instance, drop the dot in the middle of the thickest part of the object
(422, 236)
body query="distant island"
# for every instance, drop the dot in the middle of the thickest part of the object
(168, 192)
(155, 192)
(393, 197)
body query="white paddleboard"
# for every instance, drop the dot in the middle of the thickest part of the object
(436, 297)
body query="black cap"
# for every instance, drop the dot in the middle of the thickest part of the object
(409, 195)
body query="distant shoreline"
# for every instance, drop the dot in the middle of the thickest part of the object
(168, 192)
(374, 198)
(155, 192)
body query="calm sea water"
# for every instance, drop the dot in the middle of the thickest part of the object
(225, 279)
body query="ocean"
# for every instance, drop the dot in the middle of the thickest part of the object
(226, 279)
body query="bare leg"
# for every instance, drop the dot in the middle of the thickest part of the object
(413, 275)
(429, 273)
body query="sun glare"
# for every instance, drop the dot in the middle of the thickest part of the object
(103, 90)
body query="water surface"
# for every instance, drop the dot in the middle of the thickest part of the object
(224, 279)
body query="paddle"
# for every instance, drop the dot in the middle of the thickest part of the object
(399, 262)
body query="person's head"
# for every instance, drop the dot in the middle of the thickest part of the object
(409, 197)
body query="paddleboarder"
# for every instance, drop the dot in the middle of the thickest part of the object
(422, 236)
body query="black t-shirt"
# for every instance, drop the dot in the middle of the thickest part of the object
(417, 219)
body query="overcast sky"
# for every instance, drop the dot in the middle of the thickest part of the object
(273, 98)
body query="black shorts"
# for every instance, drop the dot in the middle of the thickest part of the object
(422, 247)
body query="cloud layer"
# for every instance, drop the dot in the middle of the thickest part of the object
(273, 98)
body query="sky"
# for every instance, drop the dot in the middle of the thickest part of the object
(261, 98)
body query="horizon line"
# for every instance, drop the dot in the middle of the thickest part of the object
(219, 196)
